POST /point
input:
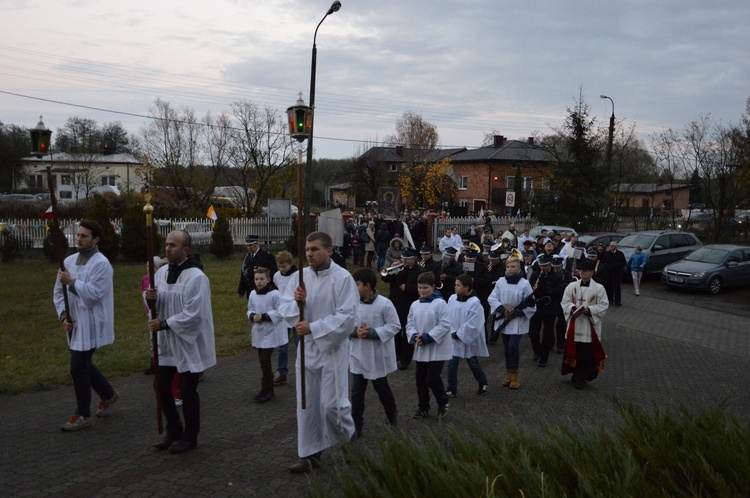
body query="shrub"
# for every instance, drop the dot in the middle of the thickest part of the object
(109, 244)
(222, 243)
(55, 243)
(134, 233)
(10, 248)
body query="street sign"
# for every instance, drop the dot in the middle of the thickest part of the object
(510, 199)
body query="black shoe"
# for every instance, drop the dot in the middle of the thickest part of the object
(182, 446)
(442, 412)
(357, 432)
(536, 357)
(393, 418)
(167, 442)
(618, 304)
(262, 396)
(419, 415)
(305, 465)
(482, 389)
(451, 393)
(402, 365)
(542, 363)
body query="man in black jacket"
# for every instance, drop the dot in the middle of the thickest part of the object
(254, 258)
(548, 287)
(403, 292)
(615, 261)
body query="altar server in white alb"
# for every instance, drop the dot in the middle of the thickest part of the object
(467, 333)
(268, 327)
(428, 327)
(512, 301)
(584, 303)
(185, 327)
(88, 277)
(372, 352)
(330, 302)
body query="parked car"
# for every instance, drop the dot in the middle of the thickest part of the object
(537, 231)
(20, 198)
(596, 238)
(710, 268)
(661, 247)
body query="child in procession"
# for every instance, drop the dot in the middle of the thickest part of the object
(428, 327)
(268, 328)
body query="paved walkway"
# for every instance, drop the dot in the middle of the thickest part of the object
(662, 353)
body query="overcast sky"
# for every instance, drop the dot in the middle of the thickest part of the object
(468, 66)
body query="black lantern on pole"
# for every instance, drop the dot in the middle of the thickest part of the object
(300, 118)
(40, 139)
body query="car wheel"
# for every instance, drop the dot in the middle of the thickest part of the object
(714, 285)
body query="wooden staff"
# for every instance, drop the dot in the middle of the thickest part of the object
(301, 259)
(148, 209)
(54, 224)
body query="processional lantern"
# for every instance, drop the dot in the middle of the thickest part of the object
(300, 118)
(40, 139)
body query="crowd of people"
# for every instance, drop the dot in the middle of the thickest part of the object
(480, 290)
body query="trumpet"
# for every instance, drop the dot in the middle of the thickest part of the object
(391, 270)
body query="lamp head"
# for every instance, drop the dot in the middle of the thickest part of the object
(335, 7)
(603, 97)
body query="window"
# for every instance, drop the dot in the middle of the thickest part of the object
(528, 183)
(35, 181)
(393, 168)
(65, 180)
(109, 180)
(66, 194)
(510, 181)
(463, 182)
(545, 183)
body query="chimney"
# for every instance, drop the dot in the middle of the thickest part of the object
(400, 150)
(530, 140)
(498, 141)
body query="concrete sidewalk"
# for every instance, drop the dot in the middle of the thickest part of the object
(660, 354)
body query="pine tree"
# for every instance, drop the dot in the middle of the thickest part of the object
(134, 232)
(109, 243)
(222, 243)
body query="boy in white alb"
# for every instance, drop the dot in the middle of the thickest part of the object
(371, 349)
(269, 329)
(287, 275)
(428, 327)
(467, 333)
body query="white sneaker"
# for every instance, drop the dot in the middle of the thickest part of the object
(75, 423)
(178, 402)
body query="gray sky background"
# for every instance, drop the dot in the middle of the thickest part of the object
(469, 67)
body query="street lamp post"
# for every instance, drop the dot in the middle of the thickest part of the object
(609, 145)
(335, 6)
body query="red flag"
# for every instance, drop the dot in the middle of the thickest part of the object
(48, 213)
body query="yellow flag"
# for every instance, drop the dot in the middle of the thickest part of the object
(211, 213)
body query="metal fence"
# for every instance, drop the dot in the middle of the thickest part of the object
(31, 233)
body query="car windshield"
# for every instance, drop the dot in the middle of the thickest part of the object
(637, 239)
(708, 255)
(586, 238)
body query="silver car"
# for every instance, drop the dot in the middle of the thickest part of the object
(710, 268)
(661, 247)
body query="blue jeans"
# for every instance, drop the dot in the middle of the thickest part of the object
(381, 251)
(476, 370)
(283, 357)
(512, 349)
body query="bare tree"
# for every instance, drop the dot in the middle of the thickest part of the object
(261, 151)
(718, 156)
(413, 132)
(81, 139)
(370, 171)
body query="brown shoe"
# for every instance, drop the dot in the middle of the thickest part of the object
(506, 382)
(279, 380)
(305, 465)
(514, 379)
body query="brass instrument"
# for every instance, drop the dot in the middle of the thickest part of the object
(391, 270)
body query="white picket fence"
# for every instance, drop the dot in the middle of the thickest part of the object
(271, 231)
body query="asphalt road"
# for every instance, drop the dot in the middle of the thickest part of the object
(666, 349)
